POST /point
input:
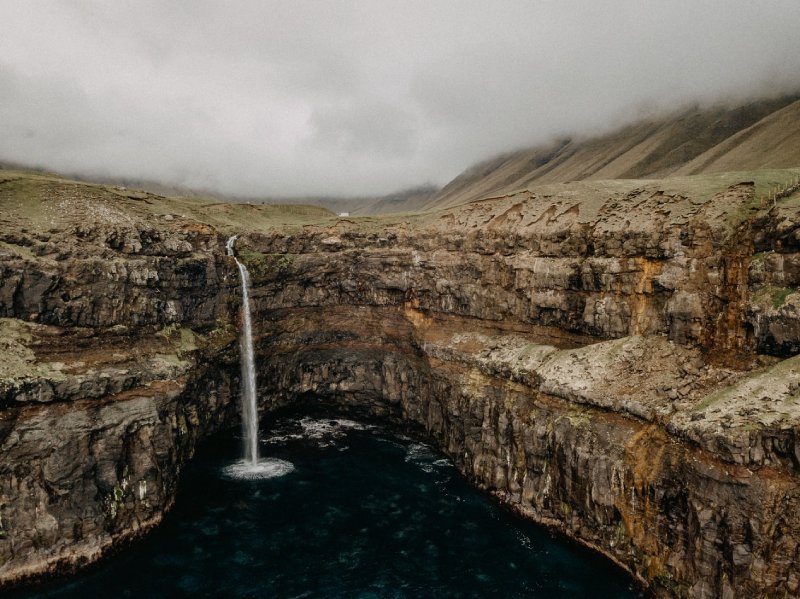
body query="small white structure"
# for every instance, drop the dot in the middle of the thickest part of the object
(344, 214)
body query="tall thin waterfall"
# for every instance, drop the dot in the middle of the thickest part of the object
(250, 466)
(249, 407)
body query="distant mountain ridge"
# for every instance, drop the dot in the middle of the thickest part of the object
(757, 135)
(762, 134)
(407, 200)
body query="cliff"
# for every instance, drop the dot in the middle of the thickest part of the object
(614, 359)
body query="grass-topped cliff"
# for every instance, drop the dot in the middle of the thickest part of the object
(41, 202)
(614, 357)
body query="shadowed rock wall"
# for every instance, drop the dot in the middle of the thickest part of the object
(679, 516)
(590, 361)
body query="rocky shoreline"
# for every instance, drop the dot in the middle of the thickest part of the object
(619, 366)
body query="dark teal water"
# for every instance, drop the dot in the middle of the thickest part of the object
(364, 514)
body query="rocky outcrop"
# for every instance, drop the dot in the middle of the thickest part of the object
(118, 356)
(591, 356)
(95, 461)
(660, 485)
(643, 262)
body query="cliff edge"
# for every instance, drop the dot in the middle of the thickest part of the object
(616, 359)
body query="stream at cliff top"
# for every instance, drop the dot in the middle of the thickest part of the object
(365, 513)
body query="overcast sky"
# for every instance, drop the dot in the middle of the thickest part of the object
(358, 97)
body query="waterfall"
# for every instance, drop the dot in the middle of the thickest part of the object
(250, 466)
(249, 407)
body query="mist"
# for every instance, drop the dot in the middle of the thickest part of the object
(353, 97)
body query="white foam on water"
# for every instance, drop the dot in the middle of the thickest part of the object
(280, 438)
(422, 455)
(524, 540)
(314, 429)
(425, 457)
(419, 452)
(262, 469)
(325, 431)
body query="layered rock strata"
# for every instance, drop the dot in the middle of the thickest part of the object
(118, 356)
(91, 447)
(592, 356)
(581, 439)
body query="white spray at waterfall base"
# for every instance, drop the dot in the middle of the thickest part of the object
(250, 467)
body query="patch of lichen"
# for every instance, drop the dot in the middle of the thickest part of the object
(17, 359)
(262, 265)
(774, 296)
(672, 587)
(578, 417)
(222, 335)
(114, 502)
(183, 339)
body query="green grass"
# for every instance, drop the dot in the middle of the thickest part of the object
(44, 202)
(19, 250)
(775, 296)
(713, 398)
(234, 217)
(779, 296)
(261, 265)
(41, 202)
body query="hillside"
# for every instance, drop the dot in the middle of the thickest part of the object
(763, 134)
(758, 135)
(407, 200)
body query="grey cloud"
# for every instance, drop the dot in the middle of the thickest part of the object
(363, 129)
(353, 97)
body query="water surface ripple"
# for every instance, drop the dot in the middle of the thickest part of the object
(363, 513)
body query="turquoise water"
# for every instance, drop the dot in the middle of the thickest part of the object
(365, 513)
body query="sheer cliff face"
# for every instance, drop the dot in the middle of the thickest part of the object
(588, 355)
(118, 357)
(643, 262)
(581, 361)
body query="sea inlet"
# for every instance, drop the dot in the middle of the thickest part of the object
(355, 510)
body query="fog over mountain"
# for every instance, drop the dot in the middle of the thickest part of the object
(356, 97)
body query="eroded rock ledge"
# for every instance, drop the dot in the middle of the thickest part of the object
(692, 496)
(618, 366)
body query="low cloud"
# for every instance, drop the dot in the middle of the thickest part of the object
(352, 97)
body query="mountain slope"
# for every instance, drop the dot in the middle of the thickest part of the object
(773, 142)
(761, 134)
